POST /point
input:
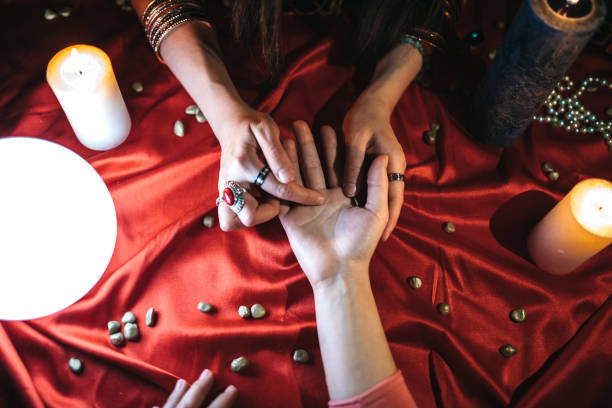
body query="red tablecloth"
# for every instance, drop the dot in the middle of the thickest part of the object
(162, 185)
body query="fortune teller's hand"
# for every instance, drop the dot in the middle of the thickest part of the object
(184, 396)
(335, 237)
(367, 129)
(242, 141)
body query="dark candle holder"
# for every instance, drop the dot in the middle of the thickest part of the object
(544, 39)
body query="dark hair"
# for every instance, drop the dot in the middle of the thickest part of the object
(378, 25)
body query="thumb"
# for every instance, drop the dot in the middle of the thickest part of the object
(378, 187)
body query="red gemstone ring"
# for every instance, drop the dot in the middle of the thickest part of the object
(233, 195)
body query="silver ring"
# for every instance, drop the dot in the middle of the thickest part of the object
(233, 195)
(261, 176)
(396, 177)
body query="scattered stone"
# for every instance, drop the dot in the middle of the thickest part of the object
(192, 109)
(244, 312)
(609, 111)
(200, 117)
(258, 311)
(415, 282)
(120, 2)
(151, 317)
(126, 7)
(508, 350)
(204, 307)
(518, 315)
(179, 128)
(116, 339)
(430, 137)
(208, 221)
(137, 87)
(50, 14)
(448, 227)
(131, 331)
(76, 365)
(65, 11)
(113, 327)
(492, 54)
(301, 356)
(500, 24)
(443, 308)
(240, 364)
(128, 317)
(553, 176)
(547, 167)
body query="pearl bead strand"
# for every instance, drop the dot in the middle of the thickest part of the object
(570, 114)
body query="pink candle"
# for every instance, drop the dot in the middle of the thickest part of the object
(577, 228)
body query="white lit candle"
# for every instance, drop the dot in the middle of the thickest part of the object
(82, 78)
(577, 228)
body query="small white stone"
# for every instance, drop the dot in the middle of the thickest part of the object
(151, 317)
(50, 14)
(131, 331)
(113, 327)
(116, 339)
(301, 356)
(204, 307)
(179, 128)
(192, 109)
(208, 221)
(65, 11)
(120, 2)
(137, 87)
(258, 311)
(200, 117)
(240, 364)
(126, 7)
(244, 312)
(128, 317)
(76, 365)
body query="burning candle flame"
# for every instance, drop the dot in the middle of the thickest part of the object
(572, 2)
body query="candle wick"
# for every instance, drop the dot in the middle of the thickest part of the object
(80, 72)
(600, 208)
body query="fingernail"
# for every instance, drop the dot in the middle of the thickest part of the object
(205, 374)
(180, 384)
(285, 175)
(350, 189)
(321, 199)
(230, 388)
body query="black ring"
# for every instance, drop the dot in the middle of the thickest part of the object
(261, 177)
(396, 177)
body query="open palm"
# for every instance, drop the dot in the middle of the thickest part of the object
(329, 237)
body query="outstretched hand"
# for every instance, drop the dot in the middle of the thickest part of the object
(336, 236)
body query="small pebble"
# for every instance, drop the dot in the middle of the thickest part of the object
(208, 221)
(240, 364)
(120, 2)
(244, 312)
(192, 109)
(518, 315)
(131, 331)
(137, 87)
(128, 317)
(204, 307)
(113, 327)
(500, 24)
(609, 111)
(126, 7)
(65, 11)
(508, 350)
(492, 54)
(151, 317)
(553, 176)
(200, 117)
(443, 308)
(76, 365)
(434, 126)
(448, 227)
(415, 282)
(50, 14)
(301, 356)
(547, 167)
(430, 137)
(258, 311)
(179, 128)
(116, 339)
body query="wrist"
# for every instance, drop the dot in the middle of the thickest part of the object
(347, 278)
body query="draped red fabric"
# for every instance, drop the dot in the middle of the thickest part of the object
(162, 185)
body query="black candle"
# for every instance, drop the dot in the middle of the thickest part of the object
(544, 39)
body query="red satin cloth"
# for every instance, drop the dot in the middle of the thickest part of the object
(162, 185)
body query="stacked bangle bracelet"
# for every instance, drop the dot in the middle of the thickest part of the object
(161, 17)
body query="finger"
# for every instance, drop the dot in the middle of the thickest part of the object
(228, 219)
(310, 164)
(330, 152)
(180, 388)
(291, 149)
(355, 153)
(378, 186)
(194, 397)
(254, 213)
(225, 399)
(267, 135)
(396, 200)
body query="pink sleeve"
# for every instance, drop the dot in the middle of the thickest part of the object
(389, 393)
